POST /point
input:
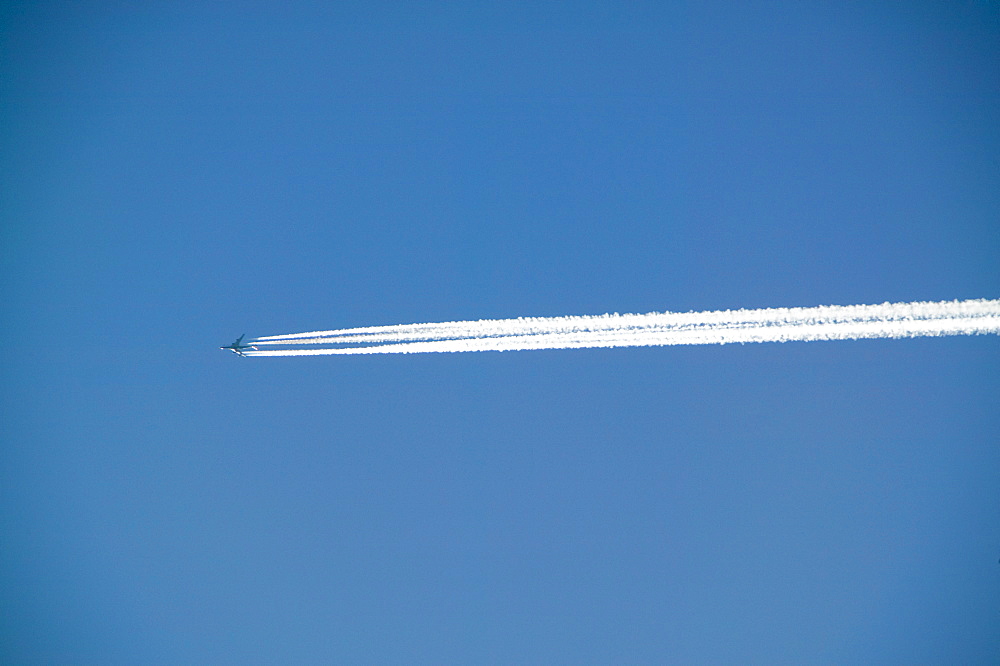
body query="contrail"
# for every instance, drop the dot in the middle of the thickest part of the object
(835, 322)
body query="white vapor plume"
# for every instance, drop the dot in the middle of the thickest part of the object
(835, 322)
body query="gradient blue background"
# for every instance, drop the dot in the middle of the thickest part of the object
(174, 174)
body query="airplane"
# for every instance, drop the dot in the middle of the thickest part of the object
(238, 348)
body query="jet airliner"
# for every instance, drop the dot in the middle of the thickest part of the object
(237, 347)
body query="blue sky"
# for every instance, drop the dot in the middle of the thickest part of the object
(175, 174)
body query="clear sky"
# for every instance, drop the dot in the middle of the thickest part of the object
(175, 174)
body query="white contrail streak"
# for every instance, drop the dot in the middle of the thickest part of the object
(852, 322)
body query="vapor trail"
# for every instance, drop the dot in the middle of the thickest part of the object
(888, 320)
